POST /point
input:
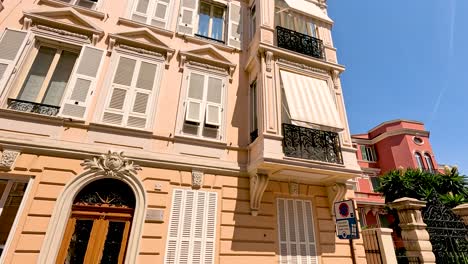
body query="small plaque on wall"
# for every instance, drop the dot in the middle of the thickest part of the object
(155, 215)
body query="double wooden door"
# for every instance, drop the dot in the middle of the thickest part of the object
(96, 234)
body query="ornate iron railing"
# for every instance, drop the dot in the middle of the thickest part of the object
(31, 107)
(298, 42)
(312, 144)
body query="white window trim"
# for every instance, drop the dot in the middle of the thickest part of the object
(131, 9)
(105, 97)
(225, 21)
(183, 99)
(253, 26)
(19, 213)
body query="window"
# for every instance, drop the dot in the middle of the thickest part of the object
(48, 76)
(211, 21)
(368, 153)
(253, 112)
(296, 231)
(293, 21)
(430, 165)
(204, 105)
(253, 21)
(152, 12)
(192, 227)
(11, 196)
(375, 181)
(131, 95)
(419, 161)
(90, 4)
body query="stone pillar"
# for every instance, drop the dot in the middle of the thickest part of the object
(413, 229)
(462, 211)
(378, 244)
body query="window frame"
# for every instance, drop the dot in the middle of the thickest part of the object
(26, 66)
(429, 163)
(151, 11)
(253, 21)
(282, 13)
(185, 86)
(108, 86)
(253, 108)
(419, 161)
(210, 23)
(370, 154)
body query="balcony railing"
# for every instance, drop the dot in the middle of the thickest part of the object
(31, 107)
(298, 42)
(311, 144)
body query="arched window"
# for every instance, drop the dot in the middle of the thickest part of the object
(99, 224)
(430, 165)
(419, 161)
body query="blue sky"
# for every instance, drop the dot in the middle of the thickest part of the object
(407, 59)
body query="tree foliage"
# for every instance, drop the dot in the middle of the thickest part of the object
(450, 187)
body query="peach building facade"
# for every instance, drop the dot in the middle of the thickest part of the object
(172, 131)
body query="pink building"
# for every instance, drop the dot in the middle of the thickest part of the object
(390, 145)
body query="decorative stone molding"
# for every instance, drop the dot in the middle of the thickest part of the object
(141, 50)
(258, 184)
(197, 179)
(27, 22)
(62, 32)
(8, 158)
(336, 79)
(336, 193)
(462, 211)
(413, 229)
(301, 66)
(111, 164)
(268, 60)
(293, 188)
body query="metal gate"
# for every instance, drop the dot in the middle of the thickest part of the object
(448, 233)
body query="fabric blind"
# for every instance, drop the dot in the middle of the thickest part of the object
(296, 232)
(12, 44)
(192, 227)
(310, 101)
(309, 8)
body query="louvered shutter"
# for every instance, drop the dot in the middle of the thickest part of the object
(82, 82)
(12, 44)
(235, 25)
(161, 13)
(194, 103)
(120, 91)
(213, 101)
(187, 16)
(139, 111)
(296, 232)
(192, 228)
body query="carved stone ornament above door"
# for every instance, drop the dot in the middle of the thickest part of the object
(112, 164)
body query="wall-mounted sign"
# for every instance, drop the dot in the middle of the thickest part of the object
(346, 222)
(154, 215)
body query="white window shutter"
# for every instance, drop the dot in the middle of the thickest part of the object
(174, 229)
(214, 102)
(194, 106)
(210, 239)
(12, 44)
(140, 11)
(213, 115)
(82, 82)
(187, 16)
(235, 25)
(160, 16)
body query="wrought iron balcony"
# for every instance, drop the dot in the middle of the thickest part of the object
(311, 144)
(298, 42)
(31, 107)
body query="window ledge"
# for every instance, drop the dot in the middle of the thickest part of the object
(20, 115)
(199, 141)
(200, 40)
(315, 162)
(80, 9)
(120, 129)
(129, 22)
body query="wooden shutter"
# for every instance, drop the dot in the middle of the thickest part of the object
(82, 82)
(120, 90)
(235, 25)
(187, 16)
(138, 116)
(296, 232)
(160, 16)
(214, 101)
(12, 44)
(194, 103)
(192, 227)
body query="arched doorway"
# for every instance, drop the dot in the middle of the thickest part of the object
(98, 228)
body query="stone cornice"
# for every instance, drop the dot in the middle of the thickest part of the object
(403, 131)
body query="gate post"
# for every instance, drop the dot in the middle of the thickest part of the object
(413, 229)
(462, 211)
(378, 245)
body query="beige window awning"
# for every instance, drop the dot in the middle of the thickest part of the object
(310, 101)
(309, 8)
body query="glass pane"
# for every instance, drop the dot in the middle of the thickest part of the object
(113, 243)
(37, 73)
(204, 19)
(312, 31)
(301, 25)
(214, 90)
(142, 6)
(196, 86)
(79, 242)
(160, 11)
(10, 208)
(60, 78)
(218, 23)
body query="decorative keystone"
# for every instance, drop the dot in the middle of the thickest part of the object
(111, 164)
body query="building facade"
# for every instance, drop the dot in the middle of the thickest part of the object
(172, 131)
(391, 145)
